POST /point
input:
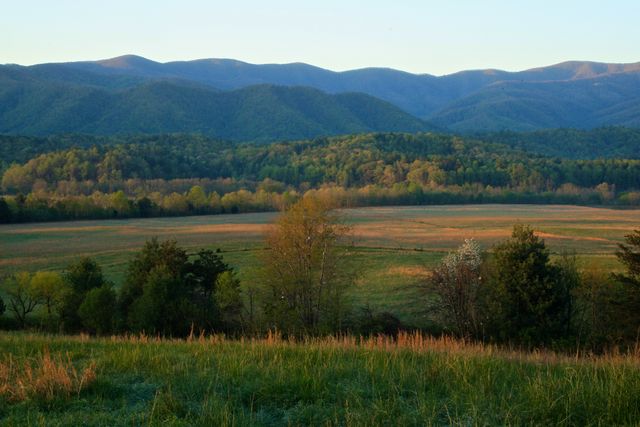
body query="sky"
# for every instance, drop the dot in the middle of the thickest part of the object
(434, 37)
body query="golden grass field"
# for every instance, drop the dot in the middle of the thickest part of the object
(587, 231)
(394, 245)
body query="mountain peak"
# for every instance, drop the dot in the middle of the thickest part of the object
(126, 62)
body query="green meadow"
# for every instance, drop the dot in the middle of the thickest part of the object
(414, 381)
(394, 246)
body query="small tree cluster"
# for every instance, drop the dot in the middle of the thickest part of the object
(79, 311)
(517, 296)
(166, 293)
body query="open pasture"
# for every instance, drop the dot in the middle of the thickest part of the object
(393, 244)
(592, 232)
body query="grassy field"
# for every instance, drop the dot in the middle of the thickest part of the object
(340, 381)
(394, 245)
(414, 381)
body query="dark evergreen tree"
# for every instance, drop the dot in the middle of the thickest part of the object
(529, 297)
(166, 293)
(629, 255)
(154, 255)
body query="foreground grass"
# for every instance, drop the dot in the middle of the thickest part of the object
(414, 381)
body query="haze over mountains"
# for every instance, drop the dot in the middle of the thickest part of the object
(240, 101)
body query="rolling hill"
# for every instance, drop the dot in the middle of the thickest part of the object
(36, 106)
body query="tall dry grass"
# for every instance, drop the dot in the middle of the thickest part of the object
(405, 341)
(43, 378)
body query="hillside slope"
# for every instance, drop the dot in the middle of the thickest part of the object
(582, 103)
(31, 105)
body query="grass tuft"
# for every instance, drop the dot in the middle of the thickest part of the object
(45, 378)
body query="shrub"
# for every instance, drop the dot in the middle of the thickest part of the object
(380, 323)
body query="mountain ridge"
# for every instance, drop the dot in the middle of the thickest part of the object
(255, 113)
(559, 95)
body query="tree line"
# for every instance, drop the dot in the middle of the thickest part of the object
(516, 293)
(273, 196)
(351, 161)
(194, 175)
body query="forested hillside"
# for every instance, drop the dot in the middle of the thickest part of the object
(522, 105)
(183, 174)
(32, 105)
(235, 100)
(606, 142)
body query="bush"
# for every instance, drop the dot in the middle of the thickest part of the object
(381, 323)
(457, 283)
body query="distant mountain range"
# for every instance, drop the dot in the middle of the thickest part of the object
(239, 101)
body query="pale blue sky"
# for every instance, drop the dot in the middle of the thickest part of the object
(435, 37)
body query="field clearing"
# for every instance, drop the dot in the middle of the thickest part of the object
(587, 231)
(394, 245)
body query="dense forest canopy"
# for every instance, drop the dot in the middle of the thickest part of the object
(606, 142)
(358, 160)
(383, 168)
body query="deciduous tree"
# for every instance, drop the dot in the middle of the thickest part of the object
(22, 297)
(50, 288)
(305, 271)
(457, 282)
